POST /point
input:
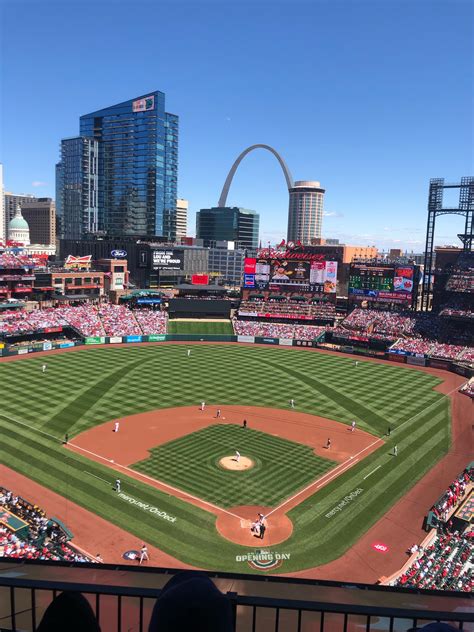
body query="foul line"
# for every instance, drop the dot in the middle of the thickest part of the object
(134, 474)
(100, 479)
(424, 410)
(370, 473)
(331, 474)
(22, 423)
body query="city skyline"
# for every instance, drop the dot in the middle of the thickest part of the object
(366, 123)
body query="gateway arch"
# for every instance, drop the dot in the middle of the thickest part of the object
(228, 181)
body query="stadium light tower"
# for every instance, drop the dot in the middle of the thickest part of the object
(465, 208)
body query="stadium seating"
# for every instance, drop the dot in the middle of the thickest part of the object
(289, 309)
(384, 323)
(277, 330)
(89, 320)
(44, 540)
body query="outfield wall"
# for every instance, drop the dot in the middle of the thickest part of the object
(400, 357)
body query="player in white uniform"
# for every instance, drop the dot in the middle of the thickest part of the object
(292, 403)
(353, 426)
(116, 426)
(189, 352)
(144, 553)
(43, 368)
(203, 406)
(237, 456)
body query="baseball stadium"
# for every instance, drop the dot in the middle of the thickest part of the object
(274, 437)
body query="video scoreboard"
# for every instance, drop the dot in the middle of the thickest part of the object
(290, 275)
(382, 283)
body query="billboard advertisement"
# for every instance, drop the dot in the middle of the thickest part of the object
(403, 279)
(145, 104)
(168, 259)
(78, 263)
(290, 275)
(200, 279)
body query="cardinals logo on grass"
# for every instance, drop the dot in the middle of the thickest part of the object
(131, 555)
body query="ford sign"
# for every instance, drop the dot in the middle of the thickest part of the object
(116, 254)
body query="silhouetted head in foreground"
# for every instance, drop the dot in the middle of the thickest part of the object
(191, 601)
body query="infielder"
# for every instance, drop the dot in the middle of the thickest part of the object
(144, 554)
(353, 426)
(203, 406)
(116, 426)
(218, 413)
(292, 403)
(328, 444)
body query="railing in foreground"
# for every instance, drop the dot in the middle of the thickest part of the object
(123, 597)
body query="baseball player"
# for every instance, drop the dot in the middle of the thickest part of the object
(237, 456)
(43, 368)
(203, 406)
(117, 485)
(292, 403)
(328, 444)
(353, 426)
(189, 352)
(356, 363)
(144, 554)
(218, 413)
(116, 426)
(395, 450)
(244, 425)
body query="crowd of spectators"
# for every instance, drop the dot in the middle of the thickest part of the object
(276, 330)
(468, 388)
(89, 320)
(453, 495)
(289, 309)
(384, 323)
(10, 261)
(151, 322)
(44, 540)
(447, 562)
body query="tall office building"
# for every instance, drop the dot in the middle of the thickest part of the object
(3, 236)
(181, 219)
(224, 223)
(41, 218)
(137, 166)
(305, 213)
(77, 188)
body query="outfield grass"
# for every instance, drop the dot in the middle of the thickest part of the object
(84, 388)
(281, 466)
(223, 327)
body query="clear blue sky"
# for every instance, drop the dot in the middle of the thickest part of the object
(370, 98)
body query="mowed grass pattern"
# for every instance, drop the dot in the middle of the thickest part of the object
(91, 386)
(191, 464)
(203, 327)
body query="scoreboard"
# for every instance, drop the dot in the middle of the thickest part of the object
(377, 278)
(383, 283)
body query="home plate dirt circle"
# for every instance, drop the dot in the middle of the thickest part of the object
(235, 525)
(231, 463)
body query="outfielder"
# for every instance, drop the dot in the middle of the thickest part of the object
(292, 403)
(43, 368)
(117, 485)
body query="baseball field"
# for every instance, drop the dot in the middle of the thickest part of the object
(175, 493)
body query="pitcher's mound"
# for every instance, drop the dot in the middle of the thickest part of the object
(231, 463)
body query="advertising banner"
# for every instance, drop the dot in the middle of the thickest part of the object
(64, 345)
(267, 341)
(145, 104)
(394, 357)
(47, 346)
(115, 339)
(249, 280)
(397, 351)
(403, 279)
(48, 330)
(78, 262)
(149, 300)
(416, 361)
(250, 265)
(157, 338)
(23, 351)
(440, 364)
(245, 339)
(95, 340)
(2, 345)
(200, 279)
(168, 259)
(288, 342)
(304, 343)
(133, 339)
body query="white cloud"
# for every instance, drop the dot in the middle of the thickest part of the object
(332, 214)
(38, 183)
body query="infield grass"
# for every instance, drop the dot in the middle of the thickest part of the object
(88, 387)
(281, 466)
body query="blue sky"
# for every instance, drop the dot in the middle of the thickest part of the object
(370, 98)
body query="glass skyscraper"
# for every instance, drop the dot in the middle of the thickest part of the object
(225, 223)
(137, 167)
